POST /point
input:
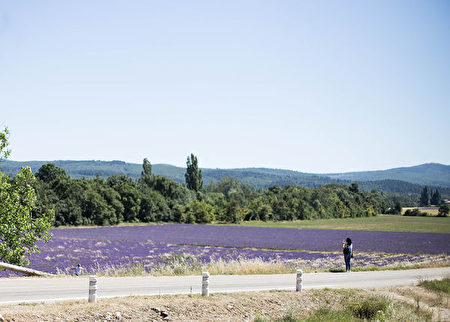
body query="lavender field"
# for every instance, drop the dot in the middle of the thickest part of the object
(267, 238)
(108, 249)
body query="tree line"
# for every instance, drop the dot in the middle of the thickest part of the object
(154, 198)
(256, 177)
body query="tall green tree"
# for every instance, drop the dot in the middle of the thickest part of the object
(435, 198)
(146, 168)
(201, 211)
(398, 208)
(354, 187)
(130, 196)
(20, 228)
(49, 172)
(4, 152)
(193, 176)
(424, 197)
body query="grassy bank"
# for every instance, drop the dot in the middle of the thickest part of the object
(309, 305)
(378, 223)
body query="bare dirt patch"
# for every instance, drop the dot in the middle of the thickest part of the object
(217, 307)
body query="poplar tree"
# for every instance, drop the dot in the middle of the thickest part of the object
(424, 197)
(435, 198)
(146, 168)
(4, 152)
(193, 174)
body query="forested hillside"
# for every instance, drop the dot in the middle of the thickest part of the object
(257, 177)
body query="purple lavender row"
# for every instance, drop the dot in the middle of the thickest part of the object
(268, 238)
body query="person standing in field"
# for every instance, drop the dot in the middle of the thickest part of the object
(347, 249)
(78, 270)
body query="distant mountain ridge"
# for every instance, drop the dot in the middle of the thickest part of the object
(434, 174)
(399, 180)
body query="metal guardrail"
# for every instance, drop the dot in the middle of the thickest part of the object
(24, 270)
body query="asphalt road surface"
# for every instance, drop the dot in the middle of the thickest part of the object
(27, 289)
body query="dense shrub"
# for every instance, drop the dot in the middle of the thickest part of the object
(437, 285)
(444, 210)
(415, 212)
(370, 308)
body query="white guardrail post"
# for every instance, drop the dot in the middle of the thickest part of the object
(205, 284)
(299, 280)
(92, 289)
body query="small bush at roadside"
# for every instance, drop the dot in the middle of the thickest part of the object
(325, 314)
(370, 309)
(437, 285)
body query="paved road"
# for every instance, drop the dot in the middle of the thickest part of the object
(20, 290)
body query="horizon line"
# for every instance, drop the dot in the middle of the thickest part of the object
(234, 168)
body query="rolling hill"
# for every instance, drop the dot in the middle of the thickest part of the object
(433, 174)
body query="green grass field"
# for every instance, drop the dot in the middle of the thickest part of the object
(431, 211)
(379, 223)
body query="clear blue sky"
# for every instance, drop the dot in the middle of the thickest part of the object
(313, 86)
